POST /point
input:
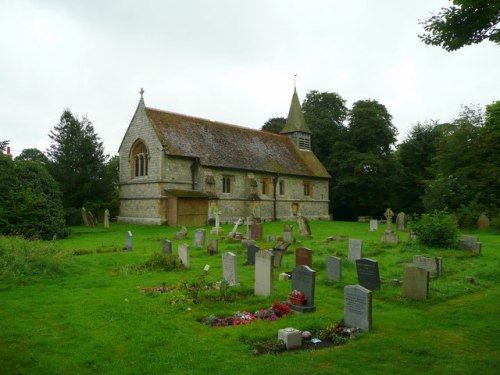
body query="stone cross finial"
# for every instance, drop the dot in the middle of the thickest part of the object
(141, 92)
(388, 215)
(295, 81)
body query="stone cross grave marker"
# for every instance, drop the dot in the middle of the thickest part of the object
(213, 246)
(415, 282)
(304, 280)
(251, 251)
(128, 241)
(373, 225)
(106, 219)
(263, 273)
(230, 268)
(358, 307)
(288, 233)
(233, 232)
(217, 229)
(167, 246)
(303, 257)
(183, 252)
(368, 274)
(431, 264)
(334, 268)
(401, 221)
(389, 236)
(355, 249)
(199, 238)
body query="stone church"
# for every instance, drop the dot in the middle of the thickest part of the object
(175, 169)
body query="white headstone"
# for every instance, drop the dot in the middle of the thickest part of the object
(230, 268)
(263, 273)
(334, 268)
(183, 251)
(358, 307)
(355, 249)
(373, 225)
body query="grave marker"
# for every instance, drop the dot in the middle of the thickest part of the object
(303, 257)
(389, 236)
(358, 307)
(106, 219)
(255, 231)
(373, 225)
(334, 268)
(401, 221)
(128, 241)
(167, 247)
(304, 280)
(263, 273)
(470, 243)
(230, 268)
(252, 250)
(415, 282)
(183, 252)
(431, 264)
(355, 249)
(213, 246)
(368, 274)
(199, 238)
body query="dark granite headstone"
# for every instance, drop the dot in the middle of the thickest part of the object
(304, 280)
(252, 249)
(167, 247)
(368, 274)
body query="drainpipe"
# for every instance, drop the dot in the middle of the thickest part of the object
(194, 167)
(275, 182)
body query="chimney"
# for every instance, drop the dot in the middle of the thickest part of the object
(8, 152)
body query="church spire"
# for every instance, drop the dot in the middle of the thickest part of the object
(296, 127)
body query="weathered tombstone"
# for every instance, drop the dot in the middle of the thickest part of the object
(288, 233)
(373, 225)
(291, 337)
(304, 227)
(217, 229)
(167, 247)
(304, 280)
(91, 219)
(245, 243)
(251, 251)
(415, 282)
(282, 246)
(334, 268)
(84, 217)
(431, 264)
(255, 231)
(278, 256)
(355, 249)
(483, 222)
(263, 273)
(199, 238)
(271, 238)
(303, 257)
(470, 243)
(358, 307)
(401, 221)
(183, 252)
(213, 246)
(233, 233)
(389, 236)
(106, 219)
(128, 241)
(368, 274)
(250, 220)
(182, 234)
(230, 268)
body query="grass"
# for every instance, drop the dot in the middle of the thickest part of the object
(64, 313)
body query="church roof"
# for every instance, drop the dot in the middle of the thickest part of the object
(295, 121)
(217, 144)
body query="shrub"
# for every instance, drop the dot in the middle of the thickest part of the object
(162, 262)
(437, 229)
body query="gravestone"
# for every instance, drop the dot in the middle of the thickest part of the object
(389, 236)
(334, 268)
(291, 337)
(431, 264)
(84, 217)
(213, 246)
(251, 251)
(199, 238)
(278, 256)
(182, 234)
(263, 273)
(470, 243)
(282, 246)
(128, 241)
(483, 222)
(373, 225)
(303, 257)
(288, 233)
(245, 243)
(234, 232)
(355, 249)
(255, 231)
(401, 221)
(217, 230)
(304, 280)
(230, 268)
(304, 227)
(271, 238)
(106, 219)
(368, 274)
(183, 251)
(167, 247)
(415, 282)
(358, 307)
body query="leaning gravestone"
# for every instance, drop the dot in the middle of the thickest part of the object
(84, 217)
(128, 241)
(368, 274)
(251, 251)
(303, 257)
(213, 246)
(263, 273)
(373, 225)
(355, 249)
(230, 268)
(358, 307)
(278, 256)
(415, 282)
(167, 247)
(183, 251)
(401, 221)
(430, 264)
(199, 238)
(304, 280)
(389, 236)
(304, 227)
(182, 234)
(106, 219)
(334, 268)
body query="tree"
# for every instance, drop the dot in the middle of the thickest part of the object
(465, 22)
(274, 125)
(3, 145)
(34, 155)
(77, 163)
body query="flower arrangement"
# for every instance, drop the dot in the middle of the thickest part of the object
(297, 298)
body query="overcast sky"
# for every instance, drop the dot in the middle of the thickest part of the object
(230, 60)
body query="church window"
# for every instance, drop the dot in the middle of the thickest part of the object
(264, 183)
(282, 187)
(308, 188)
(226, 184)
(140, 159)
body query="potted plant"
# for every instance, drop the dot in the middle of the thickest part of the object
(297, 298)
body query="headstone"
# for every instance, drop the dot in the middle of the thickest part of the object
(167, 247)
(291, 337)
(415, 282)
(256, 231)
(288, 233)
(278, 256)
(430, 264)
(401, 221)
(304, 280)
(199, 238)
(271, 238)
(250, 220)
(470, 243)
(483, 222)
(263, 273)
(251, 251)
(358, 307)
(373, 225)
(233, 233)
(333, 268)
(281, 246)
(213, 246)
(128, 241)
(230, 268)
(183, 252)
(368, 274)
(304, 227)
(182, 234)
(84, 217)
(91, 219)
(389, 236)
(217, 229)
(245, 243)
(106, 219)
(303, 257)
(355, 249)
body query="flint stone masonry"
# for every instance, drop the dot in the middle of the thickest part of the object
(358, 307)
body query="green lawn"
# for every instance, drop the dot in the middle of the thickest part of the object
(87, 314)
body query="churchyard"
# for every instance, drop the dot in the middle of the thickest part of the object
(96, 303)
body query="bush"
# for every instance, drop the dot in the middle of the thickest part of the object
(437, 229)
(162, 262)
